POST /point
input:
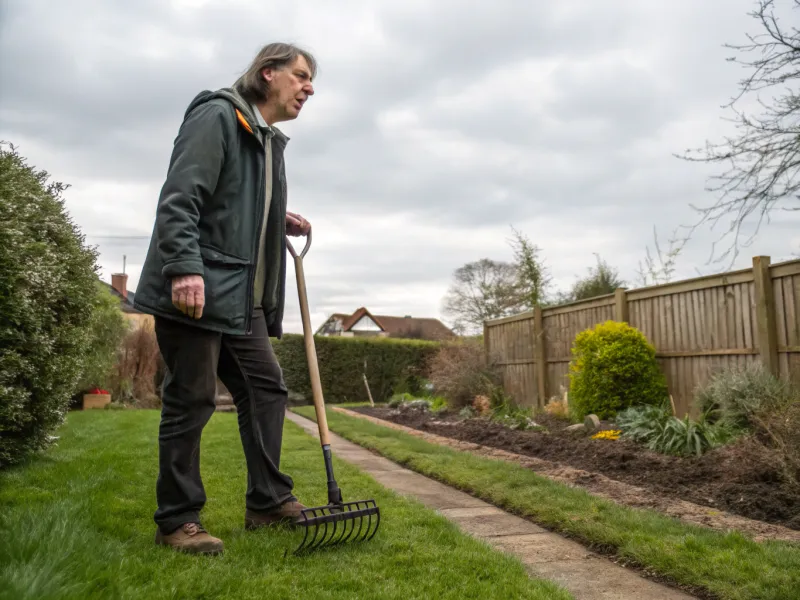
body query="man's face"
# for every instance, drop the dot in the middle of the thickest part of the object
(290, 87)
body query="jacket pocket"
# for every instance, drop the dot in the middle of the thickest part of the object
(215, 256)
(226, 278)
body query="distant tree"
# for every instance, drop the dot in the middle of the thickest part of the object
(482, 290)
(602, 279)
(533, 277)
(762, 162)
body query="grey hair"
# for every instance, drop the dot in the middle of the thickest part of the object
(252, 86)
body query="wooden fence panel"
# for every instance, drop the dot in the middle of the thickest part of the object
(561, 325)
(787, 309)
(511, 346)
(697, 326)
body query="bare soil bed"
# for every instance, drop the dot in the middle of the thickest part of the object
(740, 479)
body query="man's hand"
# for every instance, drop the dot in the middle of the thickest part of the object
(296, 225)
(188, 294)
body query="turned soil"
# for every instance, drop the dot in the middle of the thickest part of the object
(741, 478)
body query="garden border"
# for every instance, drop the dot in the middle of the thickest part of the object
(609, 489)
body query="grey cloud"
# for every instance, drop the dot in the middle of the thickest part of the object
(99, 88)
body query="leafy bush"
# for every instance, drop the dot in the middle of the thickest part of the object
(389, 364)
(613, 367)
(107, 329)
(460, 371)
(513, 416)
(47, 289)
(656, 428)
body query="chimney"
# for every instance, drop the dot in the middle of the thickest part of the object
(119, 281)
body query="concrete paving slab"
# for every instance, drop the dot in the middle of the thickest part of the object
(545, 554)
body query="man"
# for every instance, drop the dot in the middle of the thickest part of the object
(214, 279)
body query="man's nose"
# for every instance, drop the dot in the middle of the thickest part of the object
(309, 89)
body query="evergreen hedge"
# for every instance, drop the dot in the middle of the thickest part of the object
(47, 292)
(391, 365)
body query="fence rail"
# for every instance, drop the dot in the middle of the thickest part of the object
(696, 325)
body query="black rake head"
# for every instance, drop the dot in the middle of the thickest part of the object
(336, 524)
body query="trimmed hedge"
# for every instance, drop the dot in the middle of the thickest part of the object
(391, 364)
(48, 288)
(613, 367)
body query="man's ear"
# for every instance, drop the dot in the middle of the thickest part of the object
(268, 74)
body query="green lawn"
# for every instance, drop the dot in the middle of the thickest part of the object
(77, 523)
(729, 565)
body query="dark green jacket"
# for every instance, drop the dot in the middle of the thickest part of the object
(208, 217)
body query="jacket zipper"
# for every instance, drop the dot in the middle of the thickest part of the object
(254, 252)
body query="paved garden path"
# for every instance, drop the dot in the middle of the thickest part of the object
(547, 555)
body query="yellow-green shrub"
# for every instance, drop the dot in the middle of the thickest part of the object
(613, 367)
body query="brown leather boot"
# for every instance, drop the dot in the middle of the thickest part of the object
(191, 538)
(287, 514)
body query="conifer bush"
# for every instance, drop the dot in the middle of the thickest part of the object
(47, 290)
(613, 367)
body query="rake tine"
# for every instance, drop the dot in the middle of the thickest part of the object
(352, 529)
(305, 537)
(311, 544)
(377, 524)
(321, 540)
(341, 535)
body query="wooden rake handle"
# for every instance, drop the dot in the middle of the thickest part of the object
(311, 350)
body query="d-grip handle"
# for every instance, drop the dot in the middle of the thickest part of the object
(305, 249)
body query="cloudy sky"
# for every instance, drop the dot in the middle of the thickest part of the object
(435, 127)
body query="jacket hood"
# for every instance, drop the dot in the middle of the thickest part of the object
(244, 111)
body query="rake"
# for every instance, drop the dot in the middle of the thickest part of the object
(338, 522)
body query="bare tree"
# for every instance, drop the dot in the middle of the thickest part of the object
(482, 290)
(763, 161)
(659, 270)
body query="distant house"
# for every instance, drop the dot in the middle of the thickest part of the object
(119, 288)
(362, 323)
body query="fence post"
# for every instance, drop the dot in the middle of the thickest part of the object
(766, 321)
(621, 305)
(540, 356)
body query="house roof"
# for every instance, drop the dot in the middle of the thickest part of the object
(125, 304)
(427, 328)
(357, 316)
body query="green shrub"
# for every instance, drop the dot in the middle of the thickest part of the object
(438, 403)
(341, 364)
(613, 367)
(107, 329)
(656, 428)
(47, 288)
